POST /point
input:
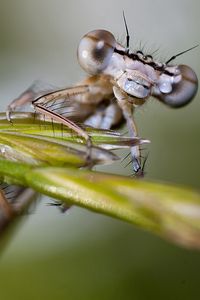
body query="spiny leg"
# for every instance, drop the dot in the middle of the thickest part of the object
(14, 200)
(40, 105)
(127, 109)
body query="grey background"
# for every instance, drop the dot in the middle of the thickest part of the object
(83, 255)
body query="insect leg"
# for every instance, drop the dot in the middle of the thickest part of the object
(14, 200)
(127, 109)
(106, 118)
(40, 105)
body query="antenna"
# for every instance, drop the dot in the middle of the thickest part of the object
(127, 33)
(175, 56)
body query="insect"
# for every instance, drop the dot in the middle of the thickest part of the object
(119, 81)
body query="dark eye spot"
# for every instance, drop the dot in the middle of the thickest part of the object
(99, 54)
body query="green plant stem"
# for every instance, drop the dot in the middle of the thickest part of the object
(167, 210)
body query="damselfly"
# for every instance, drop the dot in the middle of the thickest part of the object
(118, 82)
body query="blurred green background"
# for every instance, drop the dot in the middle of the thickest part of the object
(83, 255)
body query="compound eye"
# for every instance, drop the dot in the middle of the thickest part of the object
(95, 51)
(184, 90)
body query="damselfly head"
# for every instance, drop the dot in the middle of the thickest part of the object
(179, 88)
(95, 50)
